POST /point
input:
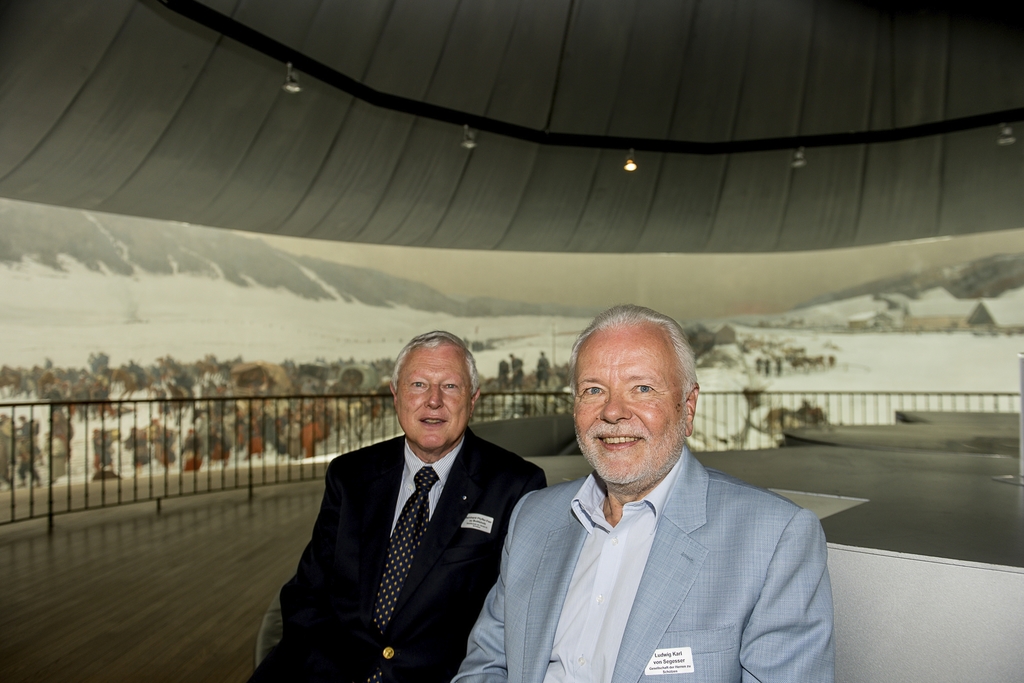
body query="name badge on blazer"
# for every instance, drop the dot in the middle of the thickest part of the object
(479, 522)
(670, 660)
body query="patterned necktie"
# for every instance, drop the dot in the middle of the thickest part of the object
(404, 541)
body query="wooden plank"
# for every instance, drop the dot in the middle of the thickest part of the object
(129, 594)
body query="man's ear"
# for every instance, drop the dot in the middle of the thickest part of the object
(690, 409)
(472, 402)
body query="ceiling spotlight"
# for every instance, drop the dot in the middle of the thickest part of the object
(291, 81)
(799, 160)
(1005, 135)
(630, 162)
(468, 137)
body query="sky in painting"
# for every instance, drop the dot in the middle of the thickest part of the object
(686, 286)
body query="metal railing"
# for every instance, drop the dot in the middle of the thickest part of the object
(752, 420)
(63, 457)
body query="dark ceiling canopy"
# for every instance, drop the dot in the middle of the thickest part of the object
(129, 107)
(236, 30)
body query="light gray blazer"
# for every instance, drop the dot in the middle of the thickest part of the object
(736, 573)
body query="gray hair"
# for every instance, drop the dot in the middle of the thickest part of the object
(631, 315)
(432, 340)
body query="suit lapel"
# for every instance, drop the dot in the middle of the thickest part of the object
(379, 497)
(551, 584)
(459, 495)
(672, 566)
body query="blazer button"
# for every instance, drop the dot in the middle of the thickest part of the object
(389, 652)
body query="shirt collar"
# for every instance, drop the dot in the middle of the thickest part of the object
(442, 467)
(588, 505)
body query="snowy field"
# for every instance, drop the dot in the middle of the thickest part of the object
(66, 316)
(877, 361)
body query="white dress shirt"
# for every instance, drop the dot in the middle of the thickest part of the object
(604, 583)
(412, 465)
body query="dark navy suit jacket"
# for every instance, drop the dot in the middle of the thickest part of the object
(327, 607)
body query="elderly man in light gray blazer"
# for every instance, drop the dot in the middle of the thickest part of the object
(655, 568)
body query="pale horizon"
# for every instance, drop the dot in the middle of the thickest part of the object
(725, 284)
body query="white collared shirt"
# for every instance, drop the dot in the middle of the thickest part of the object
(604, 583)
(412, 465)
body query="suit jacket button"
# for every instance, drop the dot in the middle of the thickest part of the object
(389, 652)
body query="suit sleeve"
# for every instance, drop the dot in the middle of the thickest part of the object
(305, 606)
(485, 652)
(788, 637)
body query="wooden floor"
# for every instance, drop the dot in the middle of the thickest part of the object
(128, 594)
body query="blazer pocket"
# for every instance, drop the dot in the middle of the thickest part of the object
(466, 552)
(715, 655)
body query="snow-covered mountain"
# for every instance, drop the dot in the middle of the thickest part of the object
(77, 283)
(988, 277)
(122, 246)
(67, 314)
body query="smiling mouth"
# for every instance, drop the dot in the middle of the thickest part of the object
(432, 421)
(619, 439)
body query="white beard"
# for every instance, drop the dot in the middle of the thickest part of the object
(663, 454)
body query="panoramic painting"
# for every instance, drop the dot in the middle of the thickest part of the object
(99, 307)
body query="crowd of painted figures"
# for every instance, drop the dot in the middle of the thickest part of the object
(512, 377)
(179, 436)
(169, 378)
(19, 450)
(177, 416)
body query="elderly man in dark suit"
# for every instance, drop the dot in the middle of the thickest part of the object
(408, 539)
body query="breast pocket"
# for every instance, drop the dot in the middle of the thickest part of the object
(715, 655)
(469, 545)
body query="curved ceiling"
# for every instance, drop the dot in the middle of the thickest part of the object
(128, 107)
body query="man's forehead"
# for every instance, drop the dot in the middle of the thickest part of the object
(641, 351)
(441, 351)
(444, 358)
(643, 337)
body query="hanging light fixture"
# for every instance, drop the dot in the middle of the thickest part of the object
(291, 81)
(799, 160)
(468, 137)
(630, 161)
(1005, 135)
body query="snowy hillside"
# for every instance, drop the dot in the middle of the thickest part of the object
(65, 315)
(986, 277)
(981, 359)
(123, 247)
(874, 361)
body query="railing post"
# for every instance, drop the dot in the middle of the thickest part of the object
(49, 476)
(31, 445)
(1019, 478)
(248, 447)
